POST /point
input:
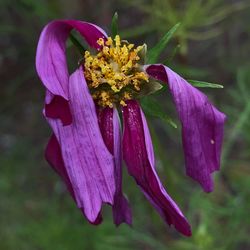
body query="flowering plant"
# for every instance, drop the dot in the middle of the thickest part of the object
(88, 143)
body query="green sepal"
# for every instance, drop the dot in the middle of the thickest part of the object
(154, 53)
(142, 54)
(149, 88)
(152, 108)
(201, 84)
(114, 25)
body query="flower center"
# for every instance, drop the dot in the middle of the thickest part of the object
(114, 74)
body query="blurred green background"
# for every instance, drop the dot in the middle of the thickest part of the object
(213, 44)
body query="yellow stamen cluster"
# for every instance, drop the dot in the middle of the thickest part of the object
(113, 74)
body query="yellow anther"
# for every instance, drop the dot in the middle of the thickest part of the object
(100, 41)
(130, 46)
(105, 50)
(113, 68)
(109, 42)
(87, 53)
(127, 96)
(123, 103)
(117, 41)
(114, 88)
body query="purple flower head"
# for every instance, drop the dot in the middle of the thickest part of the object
(88, 144)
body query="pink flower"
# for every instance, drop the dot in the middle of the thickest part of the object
(86, 146)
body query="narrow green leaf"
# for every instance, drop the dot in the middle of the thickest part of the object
(114, 25)
(78, 45)
(154, 53)
(201, 84)
(151, 107)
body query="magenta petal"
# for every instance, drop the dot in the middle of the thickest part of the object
(89, 164)
(202, 126)
(54, 157)
(139, 157)
(98, 220)
(111, 131)
(51, 61)
(58, 108)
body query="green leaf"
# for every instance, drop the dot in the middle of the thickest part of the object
(78, 45)
(201, 84)
(151, 107)
(154, 53)
(114, 25)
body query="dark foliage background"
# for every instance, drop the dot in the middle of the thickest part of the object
(35, 210)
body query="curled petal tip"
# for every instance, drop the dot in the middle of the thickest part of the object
(97, 221)
(122, 212)
(139, 157)
(202, 126)
(51, 63)
(58, 108)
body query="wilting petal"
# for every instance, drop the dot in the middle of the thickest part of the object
(58, 108)
(51, 52)
(54, 157)
(88, 163)
(111, 131)
(139, 157)
(51, 63)
(202, 126)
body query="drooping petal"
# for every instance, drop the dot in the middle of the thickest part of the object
(202, 126)
(51, 63)
(54, 157)
(139, 157)
(88, 163)
(58, 108)
(111, 131)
